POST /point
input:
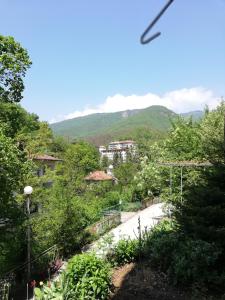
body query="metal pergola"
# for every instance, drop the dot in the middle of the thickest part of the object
(183, 164)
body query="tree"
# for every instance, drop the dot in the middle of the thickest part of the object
(14, 62)
(80, 159)
(184, 141)
(202, 213)
(37, 141)
(16, 120)
(13, 169)
(116, 159)
(125, 173)
(104, 162)
(63, 220)
(212, 134)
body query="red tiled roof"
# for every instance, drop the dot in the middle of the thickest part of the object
(46, 157)
(98, 176)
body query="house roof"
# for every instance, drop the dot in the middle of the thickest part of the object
(122, 142)
(115, 150)
(98, 176)
(46, 157)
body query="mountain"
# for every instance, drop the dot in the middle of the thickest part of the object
(101, 128)
(196, 115)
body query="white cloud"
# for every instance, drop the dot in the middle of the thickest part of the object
(179, 101)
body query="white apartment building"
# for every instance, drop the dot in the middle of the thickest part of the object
(120, 147)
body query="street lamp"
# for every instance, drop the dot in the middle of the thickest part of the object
(27, 192)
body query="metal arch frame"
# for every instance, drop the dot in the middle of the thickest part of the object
(182, 165)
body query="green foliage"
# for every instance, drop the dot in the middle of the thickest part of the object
(150, 179)
(195, 261)
(62, 221)
(89, 277)
(104, 162)
(14, 61)
(15, 120)
(104, 244)
(111, 198)
(184, 141)
(187, 141)
(57, 290)
(159, 245)
(131, 206)
(186, 261)
(13, 170)
(37, 141)
(59, 146)
(125, 173)
(212, 134)
(192, 251)
(125, 251)
(79, 159)
(201, 214)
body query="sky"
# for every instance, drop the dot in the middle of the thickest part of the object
(87, 57)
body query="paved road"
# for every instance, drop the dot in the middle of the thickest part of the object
(125, 216)
(148, 218)
(129, 229)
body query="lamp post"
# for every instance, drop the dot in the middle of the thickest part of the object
(120, 204)
(27, 192)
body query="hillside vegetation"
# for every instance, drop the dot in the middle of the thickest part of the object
(101, 128)
(105, 126)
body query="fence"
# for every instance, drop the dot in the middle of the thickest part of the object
(109, 220)
(150, 201)
(111, 217)
(14, 287)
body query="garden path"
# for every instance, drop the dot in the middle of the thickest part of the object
(127, 229)
(149, 217)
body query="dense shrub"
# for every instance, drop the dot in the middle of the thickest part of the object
(56, 290)
(185, 260)
(125, 251)
(195, 261)
(159, 244)
(88, 277)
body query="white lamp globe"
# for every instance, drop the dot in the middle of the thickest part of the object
(111, 167)
(28, 190)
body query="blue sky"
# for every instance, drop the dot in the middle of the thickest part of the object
(87, 56)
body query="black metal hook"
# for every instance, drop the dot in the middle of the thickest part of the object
(154, 36)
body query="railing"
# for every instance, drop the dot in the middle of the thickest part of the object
(11, 288)
(111, 216)
(148, 202)
(110, 209)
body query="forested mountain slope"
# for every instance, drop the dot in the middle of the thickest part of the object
(103, 127)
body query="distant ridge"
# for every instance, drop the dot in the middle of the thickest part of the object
(196, 115)
(103, 127)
